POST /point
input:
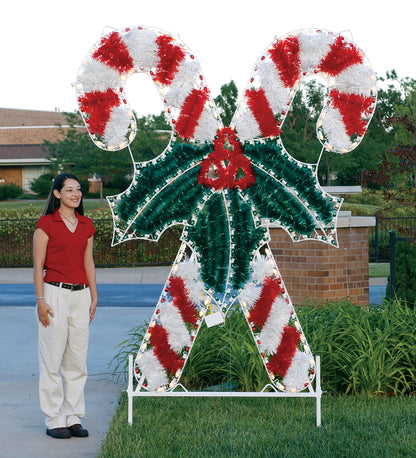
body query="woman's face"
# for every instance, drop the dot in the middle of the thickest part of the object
(70, 194)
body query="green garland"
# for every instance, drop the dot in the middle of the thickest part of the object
(273, 201)
(270, 156)
(165, 191)
(246, 237)
(172, 205)
(211, 239)
(151, 176)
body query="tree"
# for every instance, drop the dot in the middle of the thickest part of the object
(227, 101)
(299, 128)
(390, 128)
(395, 97)
(152, 137)
(78, 154)
(396, 172)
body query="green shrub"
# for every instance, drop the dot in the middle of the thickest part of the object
(41, 186)
(359, 210)
(405, 288)
(10, 191)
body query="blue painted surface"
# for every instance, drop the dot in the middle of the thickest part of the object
(376, 294)
(123, 295)
(108, 295)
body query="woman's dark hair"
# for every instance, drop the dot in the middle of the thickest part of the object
(52, 203)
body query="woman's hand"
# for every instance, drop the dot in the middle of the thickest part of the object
(44, 312)
(93, 308)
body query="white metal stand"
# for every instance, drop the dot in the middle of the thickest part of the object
(237, 394)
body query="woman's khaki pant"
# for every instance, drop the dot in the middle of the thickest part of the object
(63, 349)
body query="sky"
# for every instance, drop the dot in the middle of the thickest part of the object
(43, 42)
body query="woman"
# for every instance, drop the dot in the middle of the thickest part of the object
(66, 296)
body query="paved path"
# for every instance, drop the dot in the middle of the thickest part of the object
(22, 430)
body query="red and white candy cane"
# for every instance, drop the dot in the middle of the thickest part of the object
(102, 77)
(277, 76)
(266, 101)
(264, 105)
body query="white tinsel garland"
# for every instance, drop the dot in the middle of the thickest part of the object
(245, 125)
(117, 126)
(334, 131)
(271, 333)
(96, 76)
(153, 371)
(313, 48)
(298, 373)
(277, 94)
(171, 320)
(142, 48)
(187, 270)
(356, 79)
(207, 126)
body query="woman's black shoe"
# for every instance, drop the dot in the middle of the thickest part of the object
(78, 431)
(59, 433)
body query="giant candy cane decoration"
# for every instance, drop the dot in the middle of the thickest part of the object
(225, 185)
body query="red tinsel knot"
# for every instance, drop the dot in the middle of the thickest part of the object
(226, 168)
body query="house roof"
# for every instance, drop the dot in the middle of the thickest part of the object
(10, 117)
(13, 155)
(22, 133)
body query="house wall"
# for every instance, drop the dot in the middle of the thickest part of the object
(11, 175)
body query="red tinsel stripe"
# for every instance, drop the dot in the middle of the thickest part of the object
(285, 55)
(280, 362)
(259, 106)
(170, 56)
(167, 357)
(260, 312)
(114, 52)
(191, 111)
(181, 300)
(352, 107)
(227, 164)
(98, 105)
(341, 56)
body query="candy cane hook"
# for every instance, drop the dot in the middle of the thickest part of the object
(279, 72)
(177, 75)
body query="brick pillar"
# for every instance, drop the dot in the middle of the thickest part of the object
(314, 271)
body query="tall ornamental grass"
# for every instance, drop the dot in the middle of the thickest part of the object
(363, 350)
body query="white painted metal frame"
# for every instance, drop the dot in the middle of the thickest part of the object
(237, 394)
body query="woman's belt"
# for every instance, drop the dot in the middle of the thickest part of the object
(70, 286)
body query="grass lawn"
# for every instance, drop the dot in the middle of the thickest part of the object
(352, 426)
(381, 269)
